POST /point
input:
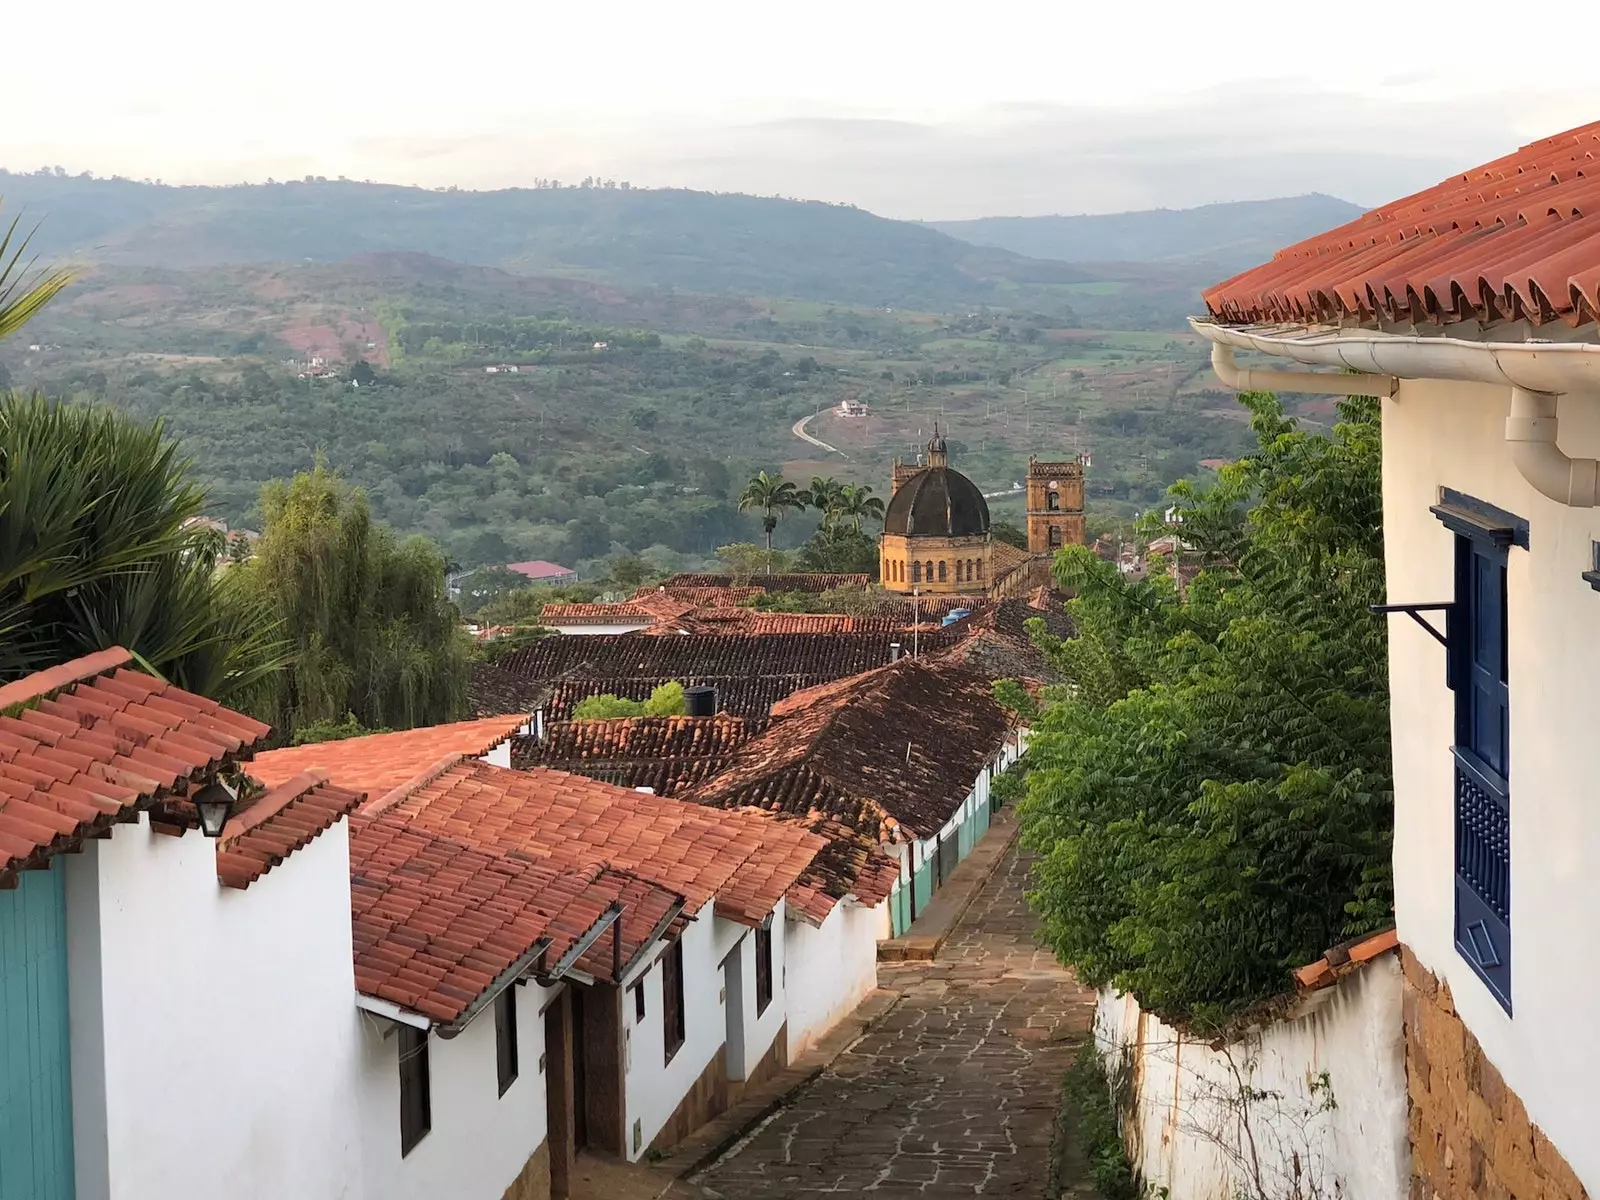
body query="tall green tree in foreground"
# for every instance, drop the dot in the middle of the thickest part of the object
(96, 551)
(1212, 792)
(773, 495)
(371, 630)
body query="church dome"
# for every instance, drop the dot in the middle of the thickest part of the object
(937, 502)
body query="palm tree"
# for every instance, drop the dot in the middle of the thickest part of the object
(857, 503)
(824, 495)
(772, 494)
(98, 549)
(21, 297)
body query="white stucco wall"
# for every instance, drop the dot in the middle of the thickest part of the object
(1452, 435)
(1357, 1148)
(750, 1035)
(591, 630)
(654, 1087)
(831, 969)
(479, 1140)
(214, 1031)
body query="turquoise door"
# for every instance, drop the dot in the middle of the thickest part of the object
(35, 1066)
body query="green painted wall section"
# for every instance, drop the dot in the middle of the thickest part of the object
(35, 1062)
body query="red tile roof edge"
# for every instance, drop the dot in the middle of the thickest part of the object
(1344, 960)
(421, 779)
(53, 679)
(271, 804)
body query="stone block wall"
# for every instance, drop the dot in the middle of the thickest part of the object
(1470, 1135)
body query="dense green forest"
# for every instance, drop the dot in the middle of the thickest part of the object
(665, 345)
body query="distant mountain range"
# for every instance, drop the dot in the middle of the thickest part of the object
(1233, 236)
(700, 242)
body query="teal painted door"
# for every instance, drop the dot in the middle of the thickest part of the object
(35, 1065)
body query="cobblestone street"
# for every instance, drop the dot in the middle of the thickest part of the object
(953, 1093)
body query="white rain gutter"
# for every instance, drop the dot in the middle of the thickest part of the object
(1538, 373)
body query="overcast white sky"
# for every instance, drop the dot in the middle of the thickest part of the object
(924, 109)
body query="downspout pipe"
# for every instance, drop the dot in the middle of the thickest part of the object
(1246, 379)
(1531, 431)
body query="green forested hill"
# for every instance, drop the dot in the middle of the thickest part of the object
(696, 241)
(1232, 236)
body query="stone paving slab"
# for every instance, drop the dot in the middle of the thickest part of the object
(953, 1092)
(934, 924)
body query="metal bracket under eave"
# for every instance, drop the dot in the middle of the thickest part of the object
(1414, 611)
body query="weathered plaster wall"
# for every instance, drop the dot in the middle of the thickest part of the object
(215, 1038)
(832, 968)
(1453, 435)
(1181, 1118)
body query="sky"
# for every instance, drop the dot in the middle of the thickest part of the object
(929, 110)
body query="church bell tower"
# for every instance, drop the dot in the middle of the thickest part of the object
(1055, 505)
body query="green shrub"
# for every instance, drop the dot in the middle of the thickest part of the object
(1087, 1092)
(665, 701)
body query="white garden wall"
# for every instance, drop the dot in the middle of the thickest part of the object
(214, 1031)
(831, 969)
(1186, 1132)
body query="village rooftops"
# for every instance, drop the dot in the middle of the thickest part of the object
(744, 861)
(1517, 239)
(891, 750)
(665, 754)
(442, 925)
(90, 743)
(540, 571)
(271, 827)
(779, 582)
(377, 763)
(750, 671)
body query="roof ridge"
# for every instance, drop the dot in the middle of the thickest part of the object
(271, 803)
(417, 782)
(45, 683)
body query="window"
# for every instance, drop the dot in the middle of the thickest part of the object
(1479, 676)
(916, 572)
(672, 997)
(1055, 536)
(941, 570)
(927, 570)
(980, 570)
(763, 969)
(505, 1037)
(1054, 502)
(638, 1002)
(416, 1111)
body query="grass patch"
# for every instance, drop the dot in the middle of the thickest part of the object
(1089, 1093)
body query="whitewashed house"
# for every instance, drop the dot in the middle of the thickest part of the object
(1470, 309)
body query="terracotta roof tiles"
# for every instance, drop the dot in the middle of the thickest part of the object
(379, 762)
(740, 860)
(275, 825)
(439, 923)
(89, 743)
(665, 754)
(1517, 238)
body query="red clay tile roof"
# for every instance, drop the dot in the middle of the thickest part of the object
(380, 762)
(90, 743)
(754, 621)
(702, 597)
(275, 825)
(791, 582)
(596, 614)
(1515, 238)
(539, 569)
(1005, 558)
(493, 691)
(666, 754)
(744, 862)
(439, 923)
(750, 671)
(1344, 959)
(900, 745)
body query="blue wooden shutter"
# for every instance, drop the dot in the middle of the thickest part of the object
(1480, 677)
(35, 1059)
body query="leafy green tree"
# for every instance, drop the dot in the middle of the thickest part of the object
(372, 633)
(667, 700)
(824, 495)
(744, 559)
(332, 731)
(1009, 533)
(841, 549)
(774, 496)
(98, 548)
(1212, 793)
